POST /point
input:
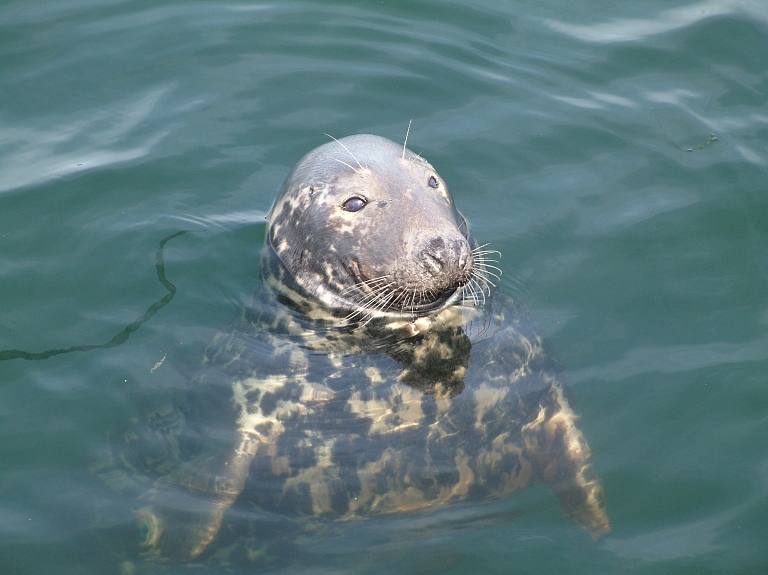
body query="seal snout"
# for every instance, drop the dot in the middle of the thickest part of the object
(448, 259)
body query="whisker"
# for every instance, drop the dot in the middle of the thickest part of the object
(486, 266)
(479, 251)
(365, 302)
(378, 309)
(466, 292)
(408, 131)
(485, 280)
(482, 289)
(346, 164)
(483, 260)
(359, 288)
(491, 274)
(347, 149)
(365, 283)
(371, 300)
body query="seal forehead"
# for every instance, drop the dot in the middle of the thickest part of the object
(370, 167)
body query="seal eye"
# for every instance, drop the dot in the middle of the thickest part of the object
(353, 204)
(433, 182)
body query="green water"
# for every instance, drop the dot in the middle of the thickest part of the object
(615, 153)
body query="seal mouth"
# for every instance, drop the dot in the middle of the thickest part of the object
(441, 301)
(386, 296)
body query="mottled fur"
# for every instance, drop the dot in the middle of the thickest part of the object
(322, 411)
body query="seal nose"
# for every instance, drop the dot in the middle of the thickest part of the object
(450, 258)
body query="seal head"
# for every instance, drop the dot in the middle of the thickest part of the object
(369, 228)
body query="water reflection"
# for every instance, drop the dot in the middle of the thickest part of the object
(630, 29)
(35, 153)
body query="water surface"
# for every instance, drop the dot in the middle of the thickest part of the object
(616, 154)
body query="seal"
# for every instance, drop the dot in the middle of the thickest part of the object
(376, 371)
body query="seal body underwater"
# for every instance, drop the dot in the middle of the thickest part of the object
(377, 370)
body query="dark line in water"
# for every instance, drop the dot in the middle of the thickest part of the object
(121, 337)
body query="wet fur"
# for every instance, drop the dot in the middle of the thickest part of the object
(341, 397)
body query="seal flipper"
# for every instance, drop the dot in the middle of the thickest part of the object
(186, 507)
(561, 455)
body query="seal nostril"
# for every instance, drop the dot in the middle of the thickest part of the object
(436, 244)
(434, 256)
(433, 262)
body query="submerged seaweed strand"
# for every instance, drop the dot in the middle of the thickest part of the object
(121, 337)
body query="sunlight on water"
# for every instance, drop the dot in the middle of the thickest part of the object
(631, 29)
(44, 153)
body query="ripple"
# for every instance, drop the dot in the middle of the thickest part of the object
(632, 29)
(675, 358)
(96, 138)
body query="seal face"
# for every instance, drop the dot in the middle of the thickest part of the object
(368, 227)
(375, 372)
